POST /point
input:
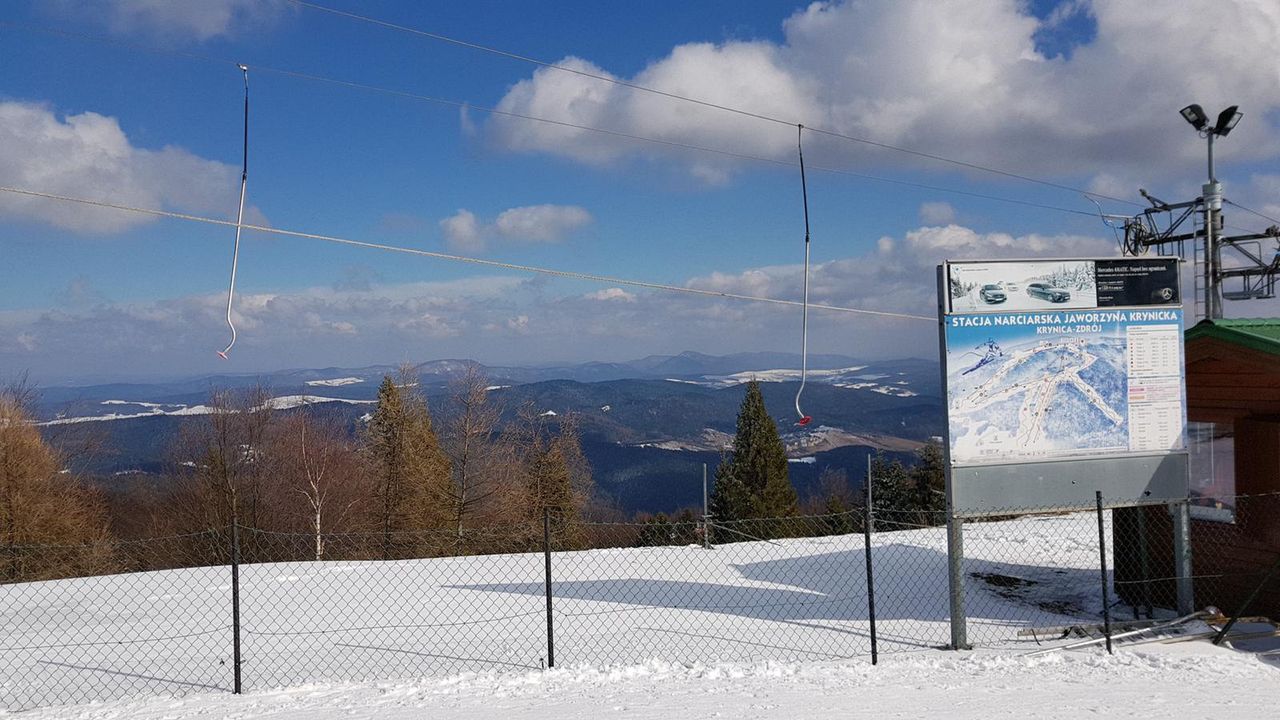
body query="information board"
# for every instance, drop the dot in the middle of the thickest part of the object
(1054, 361)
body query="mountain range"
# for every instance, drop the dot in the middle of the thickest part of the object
(648, 425)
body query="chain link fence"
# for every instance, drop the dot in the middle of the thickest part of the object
(161, 616)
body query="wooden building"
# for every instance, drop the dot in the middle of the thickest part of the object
(1233, 407)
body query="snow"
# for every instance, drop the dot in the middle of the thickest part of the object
(1209, 683)
(841, 377)
(336, 382)
(747, 630)
(285, 402)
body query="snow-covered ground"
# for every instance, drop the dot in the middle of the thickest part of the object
(1204, 682)
(283, 402)
(336, 382)
(749, 629)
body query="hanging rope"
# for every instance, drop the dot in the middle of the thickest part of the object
(235, 253)
(804, 323)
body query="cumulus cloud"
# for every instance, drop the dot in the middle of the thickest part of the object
(966, 80)
(465, 232)
(197, 19)
(88, 155)
(462, 231)
(612, 294)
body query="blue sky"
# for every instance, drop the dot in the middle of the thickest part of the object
(1045, 89)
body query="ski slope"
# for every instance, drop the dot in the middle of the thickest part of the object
(783, 621)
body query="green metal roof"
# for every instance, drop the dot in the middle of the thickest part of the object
(1262, 334)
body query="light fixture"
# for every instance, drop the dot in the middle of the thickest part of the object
(1227, 120)
(1194, 114)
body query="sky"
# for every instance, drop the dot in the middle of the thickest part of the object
(138, 102)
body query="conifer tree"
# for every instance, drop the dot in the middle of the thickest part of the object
(753, 481)
(411, 472)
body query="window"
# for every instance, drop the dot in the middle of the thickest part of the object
(1213, 471)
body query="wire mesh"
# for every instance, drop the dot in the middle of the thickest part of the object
(114, 618)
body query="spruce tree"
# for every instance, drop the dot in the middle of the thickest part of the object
(753, 481)
(412, 472)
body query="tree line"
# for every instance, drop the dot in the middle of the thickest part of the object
(411, 481)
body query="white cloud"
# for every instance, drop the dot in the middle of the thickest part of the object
(541, 223)
(962, 79)
(464, 232)
(612, 294)
(88, 155)
(508, 319)
(937, 213)
(198, 19)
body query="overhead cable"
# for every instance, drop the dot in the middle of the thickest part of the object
(606, 279)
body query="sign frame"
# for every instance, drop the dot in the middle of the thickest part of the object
(1008, 486)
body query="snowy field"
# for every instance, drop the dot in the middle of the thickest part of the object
(745, 628)
(1203, 682)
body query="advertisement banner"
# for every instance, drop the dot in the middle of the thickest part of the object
(1006, 286)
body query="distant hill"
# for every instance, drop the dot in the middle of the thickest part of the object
(647, 425)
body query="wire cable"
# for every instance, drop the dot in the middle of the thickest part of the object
(285, 72)
(697, 101)
(244, 179)
(1254, 212)
(606, 279)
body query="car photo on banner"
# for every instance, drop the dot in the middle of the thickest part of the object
(1016, 286)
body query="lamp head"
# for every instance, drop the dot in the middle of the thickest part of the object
(1227, 120)
(1194, 114)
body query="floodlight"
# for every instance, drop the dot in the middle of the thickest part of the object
(1194, 114)
(1227, 120)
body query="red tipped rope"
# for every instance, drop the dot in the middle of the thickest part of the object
(235, 253)
(804, 334)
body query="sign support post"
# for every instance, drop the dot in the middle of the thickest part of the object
(955, 526)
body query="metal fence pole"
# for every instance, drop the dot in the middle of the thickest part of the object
(235, 601)
(867, 530)
(1182, 557)
(1102, 558)
(706, 512)
(546, 556)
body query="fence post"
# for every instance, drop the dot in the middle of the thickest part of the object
(1102, 557)
(706, 512)
(546, 556)
(235, 601)
(867, 529)
(1182, 557)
